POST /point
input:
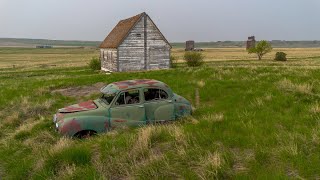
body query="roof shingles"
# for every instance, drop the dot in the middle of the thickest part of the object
(116, 36)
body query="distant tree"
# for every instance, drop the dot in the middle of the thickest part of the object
(262, 48)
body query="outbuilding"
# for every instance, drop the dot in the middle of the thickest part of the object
(251, 42)
(135, 44)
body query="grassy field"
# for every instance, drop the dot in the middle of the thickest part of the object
(257, 119)
(31, 58)
(227, 54)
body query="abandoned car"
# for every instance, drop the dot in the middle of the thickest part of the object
(125, 103)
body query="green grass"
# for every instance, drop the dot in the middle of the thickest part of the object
(257, 119)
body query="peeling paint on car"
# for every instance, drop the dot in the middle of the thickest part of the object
(84, 106)
(138, 83)
(71, 127)
(106, 125)
(120, 120)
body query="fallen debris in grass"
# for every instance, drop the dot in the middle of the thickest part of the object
(80, 90)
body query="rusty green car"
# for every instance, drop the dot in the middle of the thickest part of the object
(125, 103)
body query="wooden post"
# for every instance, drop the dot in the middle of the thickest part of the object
(197, 98)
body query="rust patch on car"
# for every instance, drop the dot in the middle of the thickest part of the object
(71, 127)
(88, 104)
(127, 84)
(123, 87)
(84, 106)
(120, 120)
(106, 125)
(183, 110)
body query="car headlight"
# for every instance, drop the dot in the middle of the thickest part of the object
(54, 118)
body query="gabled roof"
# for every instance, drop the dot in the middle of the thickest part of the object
(121, 31)
(116, 36)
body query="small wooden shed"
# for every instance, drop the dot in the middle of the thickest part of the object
(135, 44)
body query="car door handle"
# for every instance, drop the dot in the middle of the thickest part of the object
(169, 101)
(141, 106)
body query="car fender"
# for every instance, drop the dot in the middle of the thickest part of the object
(71, 126)
(182, 109)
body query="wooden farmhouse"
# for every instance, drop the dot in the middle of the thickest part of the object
(135, 44)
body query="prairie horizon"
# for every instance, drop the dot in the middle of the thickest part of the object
(26, 42)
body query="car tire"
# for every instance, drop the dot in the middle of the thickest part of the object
(85, 134)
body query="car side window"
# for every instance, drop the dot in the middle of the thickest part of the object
(163, 94)
(154, 94)
(128, 97)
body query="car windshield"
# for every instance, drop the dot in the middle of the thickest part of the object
(107, 98)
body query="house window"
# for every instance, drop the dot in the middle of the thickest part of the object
(138, 35)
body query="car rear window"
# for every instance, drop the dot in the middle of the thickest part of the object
(152, 94)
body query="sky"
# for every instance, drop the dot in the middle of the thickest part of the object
(178, 20)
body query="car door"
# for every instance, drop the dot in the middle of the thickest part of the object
(128, 109)
(158, 105)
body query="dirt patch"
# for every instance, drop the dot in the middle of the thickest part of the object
(1, 172)
(241, 159)
(80, 91)
(293, 173)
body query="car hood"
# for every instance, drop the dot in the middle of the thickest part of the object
(84, 106)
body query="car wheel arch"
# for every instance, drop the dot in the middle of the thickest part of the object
(84, 133)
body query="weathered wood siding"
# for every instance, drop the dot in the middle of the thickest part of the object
(131, 51)
(108, 59)
(158, 50)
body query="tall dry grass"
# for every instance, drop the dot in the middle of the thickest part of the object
(220, 54)
(289, 86)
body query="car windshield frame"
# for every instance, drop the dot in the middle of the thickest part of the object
(105, 96)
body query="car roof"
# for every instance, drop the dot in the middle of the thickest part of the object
(136, 83)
